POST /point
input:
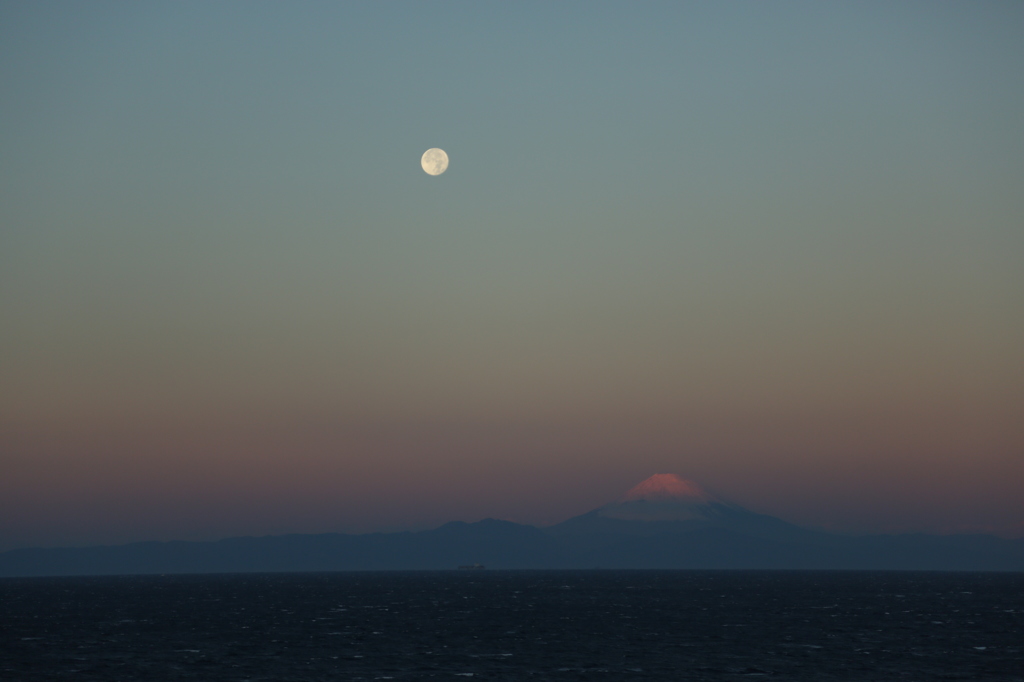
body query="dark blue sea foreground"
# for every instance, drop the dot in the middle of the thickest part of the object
(516, 625)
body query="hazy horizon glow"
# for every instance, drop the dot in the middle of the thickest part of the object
(772, 248)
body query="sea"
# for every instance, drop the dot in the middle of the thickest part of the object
(515, 625)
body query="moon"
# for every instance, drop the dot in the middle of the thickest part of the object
(434, 161)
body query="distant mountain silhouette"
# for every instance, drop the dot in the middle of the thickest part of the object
(664, 522)
(668, 521)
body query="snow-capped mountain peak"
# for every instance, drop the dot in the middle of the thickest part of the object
(667, 488)
(668, 497)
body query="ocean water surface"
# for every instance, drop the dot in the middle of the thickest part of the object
(516, 625)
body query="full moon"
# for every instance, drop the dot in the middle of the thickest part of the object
(434, 161)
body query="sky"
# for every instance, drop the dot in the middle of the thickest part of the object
(772, 247)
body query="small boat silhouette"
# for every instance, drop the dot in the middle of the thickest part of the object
(472, 567)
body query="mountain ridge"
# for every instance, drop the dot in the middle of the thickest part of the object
(665, 522)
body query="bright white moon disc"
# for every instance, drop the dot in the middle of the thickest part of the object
(434, 161)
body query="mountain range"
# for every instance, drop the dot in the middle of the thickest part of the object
(665, 522)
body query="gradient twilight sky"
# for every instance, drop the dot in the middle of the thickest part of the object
(773, 247)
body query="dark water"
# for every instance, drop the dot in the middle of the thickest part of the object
(586, 625)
